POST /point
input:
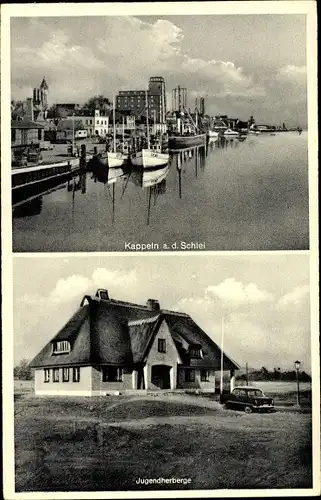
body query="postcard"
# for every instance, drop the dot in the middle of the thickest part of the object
(160, 250)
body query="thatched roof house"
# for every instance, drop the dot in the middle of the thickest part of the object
(112, 345)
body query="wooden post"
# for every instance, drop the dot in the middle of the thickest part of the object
(82, 160)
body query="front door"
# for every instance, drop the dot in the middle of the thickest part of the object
(161, 376)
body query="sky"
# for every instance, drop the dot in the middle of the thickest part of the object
(242, 64)
(264, 299)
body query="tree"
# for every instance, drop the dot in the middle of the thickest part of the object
(98, 102)
(23, 371)
(17, 110)
(57, 113)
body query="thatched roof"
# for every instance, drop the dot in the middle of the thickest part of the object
(120, 333)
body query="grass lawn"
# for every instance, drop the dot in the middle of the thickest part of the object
(101, 444)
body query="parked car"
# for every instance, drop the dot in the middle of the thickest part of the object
(19, 158)
(34, 156)
(46, 146)
(247, 398)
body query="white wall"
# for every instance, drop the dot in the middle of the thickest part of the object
(81, 388)
(169, 358)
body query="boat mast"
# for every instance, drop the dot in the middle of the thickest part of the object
(123, 131)
(147, 123)
(114, 124)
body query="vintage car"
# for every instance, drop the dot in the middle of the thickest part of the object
(247, 398)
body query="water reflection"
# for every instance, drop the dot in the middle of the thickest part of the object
(29, 209)
(154, 182)
(192, 158)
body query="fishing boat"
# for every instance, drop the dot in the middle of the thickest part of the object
(152, 155)
(186, 139)
(230, 133)
(117, 158)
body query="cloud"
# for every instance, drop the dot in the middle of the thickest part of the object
(39, 317)
(234, 292)
(66, 290)
(130, 51)
(296, 297)
(226, 78)
(292, 71)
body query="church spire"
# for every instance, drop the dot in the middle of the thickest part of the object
(44, 85)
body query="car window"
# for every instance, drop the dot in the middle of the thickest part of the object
(255, 392)
(242, 392)
(236, 392)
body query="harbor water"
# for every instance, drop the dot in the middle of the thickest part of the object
(232, 195)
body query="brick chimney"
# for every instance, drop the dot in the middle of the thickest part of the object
(102, 294)
(153, 305)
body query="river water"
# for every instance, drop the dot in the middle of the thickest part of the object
(233, 195)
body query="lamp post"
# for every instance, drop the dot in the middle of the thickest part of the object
(297, 367)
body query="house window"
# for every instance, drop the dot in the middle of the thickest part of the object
(161, 345)
(62, 347)
(39, 134)
(13, 134)
(46, 374)
(55, 374)
(65, 374)
(205, 375)
(112, 374)
(76, 374)
(195, 352)
(189, 375)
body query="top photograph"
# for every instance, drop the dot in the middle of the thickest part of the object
(159, 133)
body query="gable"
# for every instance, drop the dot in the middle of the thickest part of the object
(171, 356)
(183, 327)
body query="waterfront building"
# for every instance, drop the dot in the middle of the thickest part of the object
(109, 345)
(135, 100)
(157, 99)
(96, 125)
(26, 132)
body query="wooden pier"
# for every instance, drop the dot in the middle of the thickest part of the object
(28, 182)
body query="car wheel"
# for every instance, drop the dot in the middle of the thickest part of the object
(248, 409)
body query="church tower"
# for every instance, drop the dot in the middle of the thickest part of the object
(44, 94)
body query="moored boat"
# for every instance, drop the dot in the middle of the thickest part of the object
(212, 134)
(186, 141)
(152, 155)
(231, 133)
(148, 158)
(118, 158)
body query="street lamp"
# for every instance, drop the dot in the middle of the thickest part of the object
(297, 367)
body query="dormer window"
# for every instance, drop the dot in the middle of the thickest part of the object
(62, 347)
(195, 352)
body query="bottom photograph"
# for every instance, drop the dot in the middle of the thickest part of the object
(162, 372)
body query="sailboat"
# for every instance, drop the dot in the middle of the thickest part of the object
(151, 156)
(116, 158)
